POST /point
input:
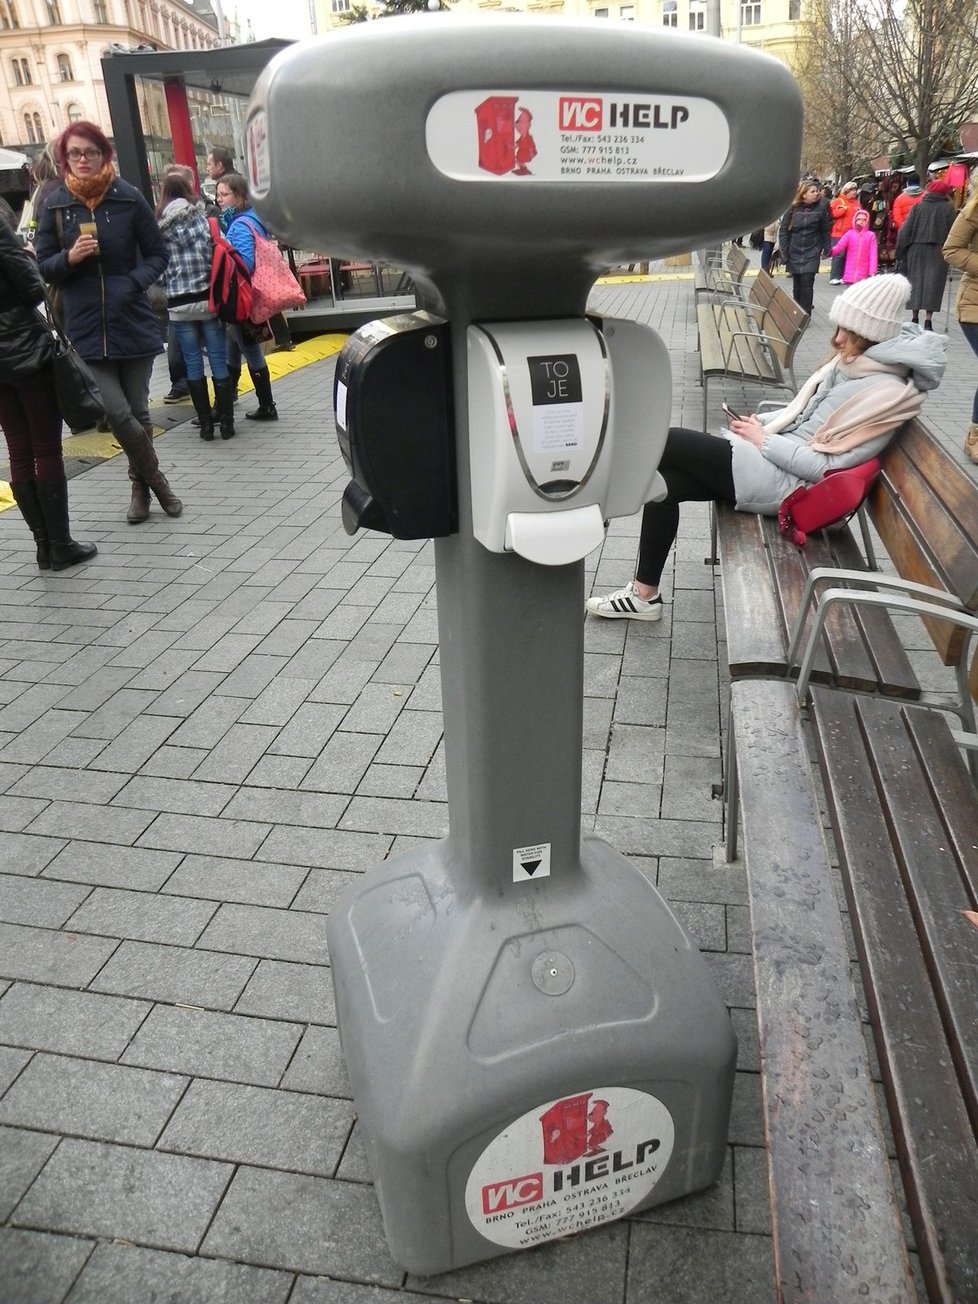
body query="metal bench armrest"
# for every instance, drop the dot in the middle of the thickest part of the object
(859, 580)
(899, 602)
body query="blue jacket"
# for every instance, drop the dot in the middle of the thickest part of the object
(105, 310)
(241, 233)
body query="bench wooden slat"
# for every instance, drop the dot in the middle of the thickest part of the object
(762, 576)
(755, 638)
(850, 664)
(936, 513)
(935, 1138)
(837, 1232)
(863, 648)
(956, 490)
(935, 830)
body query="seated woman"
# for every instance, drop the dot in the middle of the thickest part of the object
(846, 413)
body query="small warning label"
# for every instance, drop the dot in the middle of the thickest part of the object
(531, 862)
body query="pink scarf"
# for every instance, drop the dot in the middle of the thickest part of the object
(879, 408)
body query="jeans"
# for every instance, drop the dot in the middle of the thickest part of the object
(969, 330)
(208, 331)
(31, 424)
(838, 267)
(251, 350)
(697, 468)
(767, 249)
(174, 358)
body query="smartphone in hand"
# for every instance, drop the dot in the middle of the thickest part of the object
(731, 413)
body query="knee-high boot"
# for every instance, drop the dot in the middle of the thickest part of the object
(202, 406)
(234, 374)
(25, 496)
(267, 411)
(52, 497)
(225, 406)
(144, 465)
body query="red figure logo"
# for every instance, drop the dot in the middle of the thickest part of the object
(573, 1128)
(506, 143)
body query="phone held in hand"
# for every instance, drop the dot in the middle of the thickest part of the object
(731, 413)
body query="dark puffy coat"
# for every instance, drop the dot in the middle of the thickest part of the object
(105, 310)
(805, 234)
(25, 343)
(919, 245)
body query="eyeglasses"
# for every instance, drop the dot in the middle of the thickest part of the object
(74, 155)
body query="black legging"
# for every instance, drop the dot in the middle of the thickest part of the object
(803, 290)
(698, 469)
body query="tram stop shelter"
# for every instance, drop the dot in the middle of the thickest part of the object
(174, 106)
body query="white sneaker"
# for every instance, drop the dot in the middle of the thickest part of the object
(625, 604)
(836, 282)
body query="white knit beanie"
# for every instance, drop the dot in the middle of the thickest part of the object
(873, 308)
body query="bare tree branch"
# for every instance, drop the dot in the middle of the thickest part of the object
(882, 75)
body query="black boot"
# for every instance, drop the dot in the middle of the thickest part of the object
(267, 411)
(52, 496)
(225, 406)
(202, 406)
(25, 496)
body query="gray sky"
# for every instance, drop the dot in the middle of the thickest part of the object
(285, 18)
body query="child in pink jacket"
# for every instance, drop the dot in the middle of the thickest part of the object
(860, 248)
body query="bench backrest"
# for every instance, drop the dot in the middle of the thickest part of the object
(762, 291)
(737, 262)
(789, 322)
(925, 508)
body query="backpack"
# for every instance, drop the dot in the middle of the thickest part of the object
(835, 498)
(273, 286)
(230, 291)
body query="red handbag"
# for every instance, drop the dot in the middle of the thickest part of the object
(834, 498)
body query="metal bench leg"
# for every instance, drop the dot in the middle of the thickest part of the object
(713, 559)
(868, 548)
(731, 789)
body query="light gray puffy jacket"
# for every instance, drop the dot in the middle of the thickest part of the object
(763, 477)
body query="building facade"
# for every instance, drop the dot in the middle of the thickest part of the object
(776, 26)
(51, 51)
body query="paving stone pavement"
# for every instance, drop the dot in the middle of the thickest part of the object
(205, 736)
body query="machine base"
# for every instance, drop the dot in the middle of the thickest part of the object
(529, 1065)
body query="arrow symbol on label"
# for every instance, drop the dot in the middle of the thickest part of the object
(530, 865)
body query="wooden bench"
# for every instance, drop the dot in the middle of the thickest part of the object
(720, 277)
(753, 342)
(900, 828)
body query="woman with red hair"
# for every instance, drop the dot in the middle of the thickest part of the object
(99, 244)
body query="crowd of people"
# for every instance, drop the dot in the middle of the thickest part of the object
(890, 224)
(90, 251)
